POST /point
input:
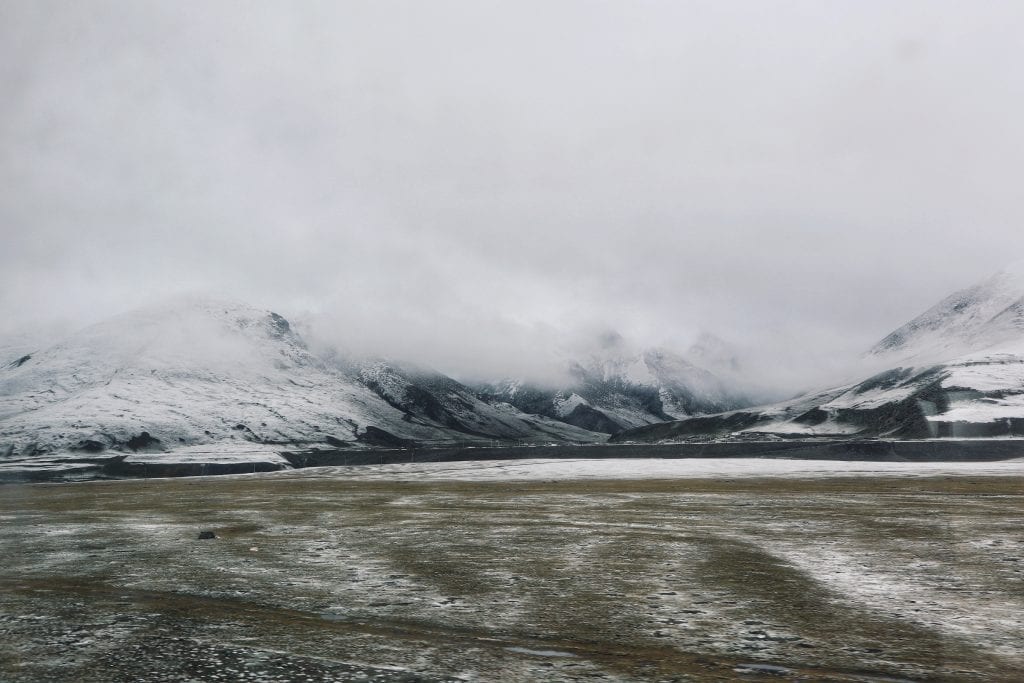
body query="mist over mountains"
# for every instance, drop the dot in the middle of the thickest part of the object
(587, 340)
(646, 218)
(412, 182)
(956, 370)
(197, 372)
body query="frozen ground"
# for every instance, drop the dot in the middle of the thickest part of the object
(690, 570)
(655, 468)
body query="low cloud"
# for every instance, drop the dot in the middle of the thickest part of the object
(469, 184)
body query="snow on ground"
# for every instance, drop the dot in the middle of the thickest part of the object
(654, 468)
(834, 580)
(565, 406)
(197, 371)
(987, 372)
(223, 452)
(918, 592)
(986, 410)
(828, 428)
(972, 318)
(872, 398)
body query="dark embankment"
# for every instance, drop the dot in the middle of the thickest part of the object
(862, 450)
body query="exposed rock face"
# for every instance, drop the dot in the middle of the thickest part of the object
(91, 446)
(374, 436)
(590, 418)
(143, 441)
(280, 327)
(18, 362)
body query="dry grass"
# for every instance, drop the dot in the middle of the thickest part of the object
(835, 579)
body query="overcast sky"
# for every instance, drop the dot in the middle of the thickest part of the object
(463, 180)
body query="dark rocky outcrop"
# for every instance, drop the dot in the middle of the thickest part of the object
(884, 450)
(279, 325)
(586, 417)
(18, 362)
(128, 468)
(813, 417)
(374, 436)
(143, 441)
(90, 446)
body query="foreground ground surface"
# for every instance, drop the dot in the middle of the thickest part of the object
(518, 572)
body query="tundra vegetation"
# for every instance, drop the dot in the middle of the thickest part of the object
(337, 577)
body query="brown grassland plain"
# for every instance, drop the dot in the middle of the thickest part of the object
(332, 579)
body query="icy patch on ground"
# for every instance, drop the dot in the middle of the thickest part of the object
(920, 593)
(654, 468)
(224, 452)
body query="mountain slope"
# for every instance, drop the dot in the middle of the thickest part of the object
(426, 395)
(612, 387)
(988, 313)
(957, 370)
(200, 371)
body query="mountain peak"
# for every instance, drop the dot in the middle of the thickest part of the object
(971, 319)
(713, 353)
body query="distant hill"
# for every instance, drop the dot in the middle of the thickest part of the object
(957, 370)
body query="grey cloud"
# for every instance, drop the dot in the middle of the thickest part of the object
(468, 182)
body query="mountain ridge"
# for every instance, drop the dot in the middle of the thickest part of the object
(200, 371)
(956, 370)
(984, 314)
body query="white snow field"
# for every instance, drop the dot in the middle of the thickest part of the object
(654, 468)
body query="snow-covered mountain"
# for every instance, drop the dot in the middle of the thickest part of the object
(200, 371)
(957, 370)
(613, 387)
(430, 397)
(197, 373)
(979, 317)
